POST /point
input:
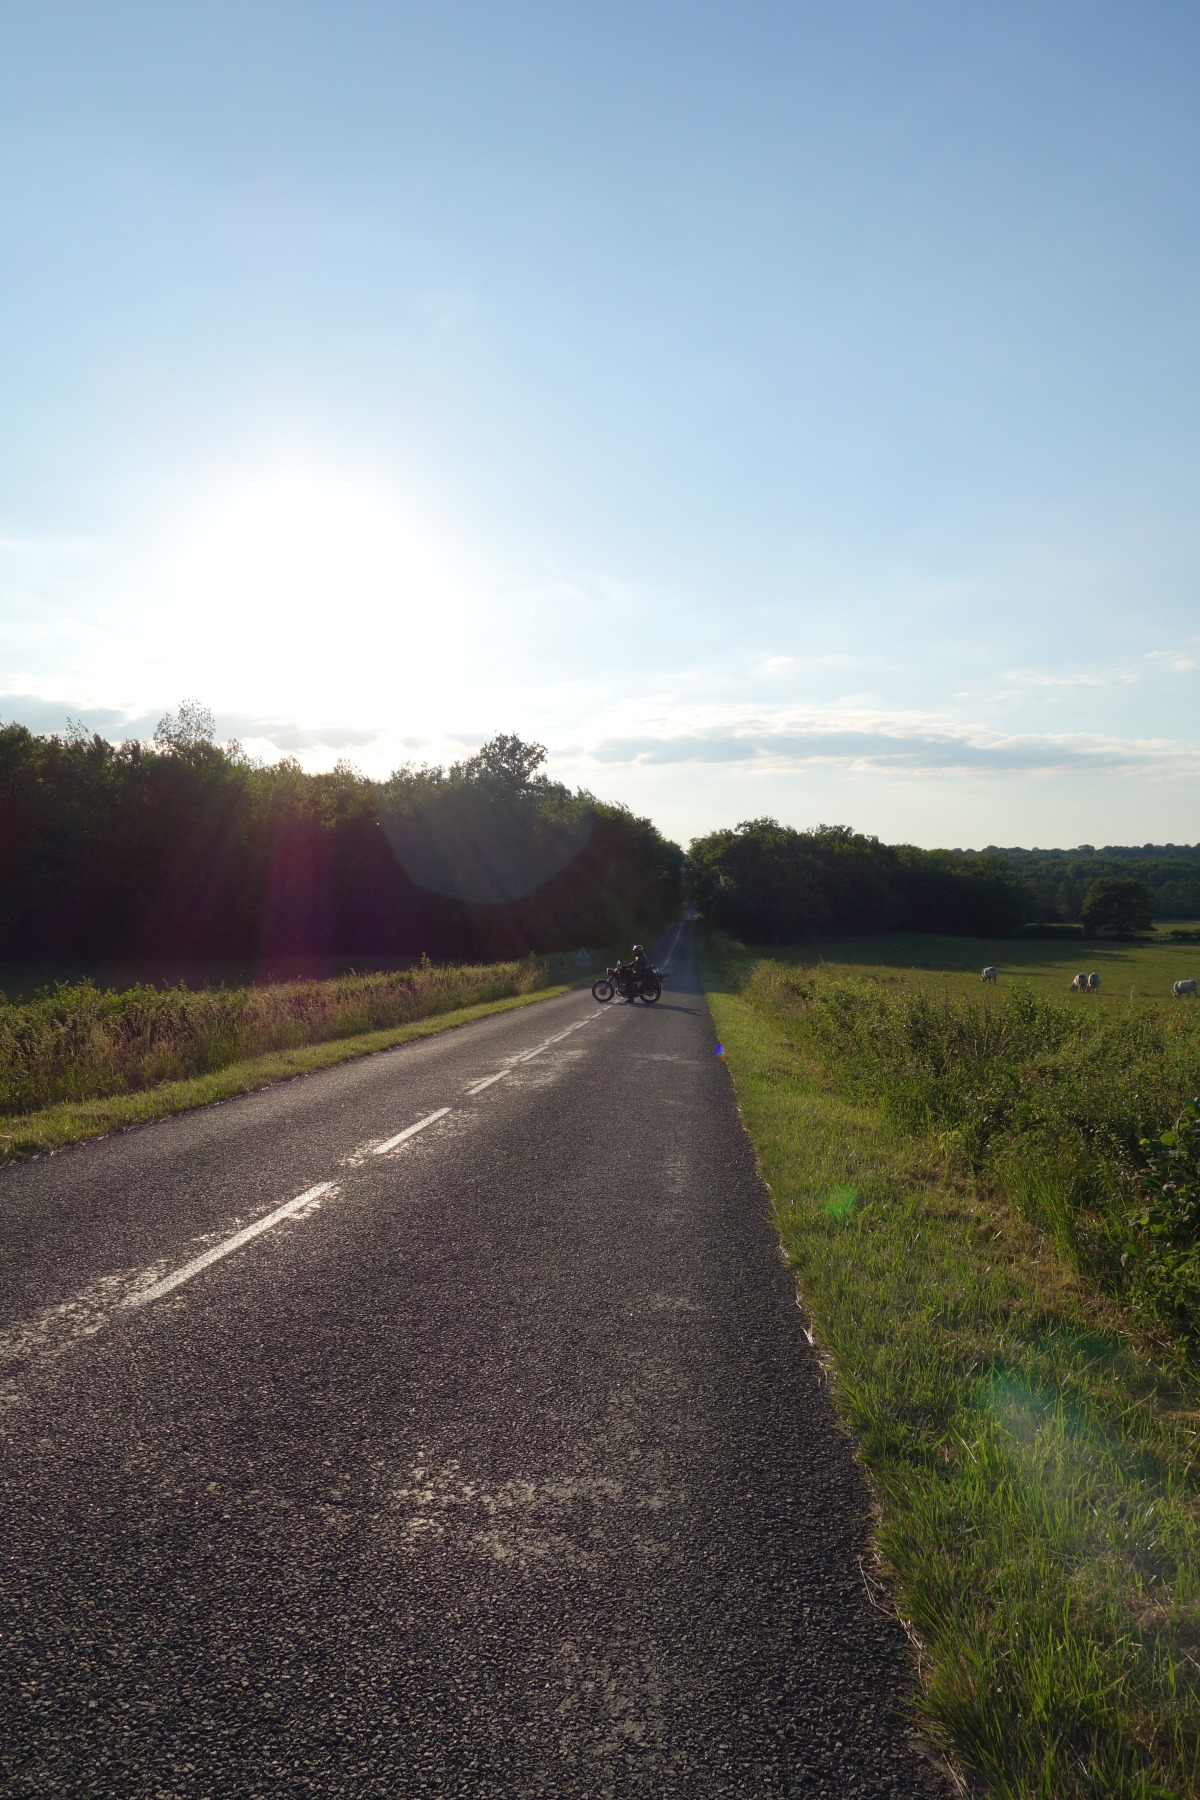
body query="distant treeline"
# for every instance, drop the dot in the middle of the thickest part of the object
(770, 884)
(184, 847)
(1058, 880)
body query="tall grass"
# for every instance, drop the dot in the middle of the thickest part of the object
(1034, 1453)
(1057, 1106)
(81, 1042)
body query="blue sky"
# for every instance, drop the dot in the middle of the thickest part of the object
(770, 407)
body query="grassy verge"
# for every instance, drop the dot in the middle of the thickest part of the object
(81, 1042)
(70, 1122)
(1036, 1458)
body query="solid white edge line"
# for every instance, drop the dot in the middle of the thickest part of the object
(410, 1131)
(231, 1243)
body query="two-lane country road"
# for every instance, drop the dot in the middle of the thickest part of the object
(489, 1458)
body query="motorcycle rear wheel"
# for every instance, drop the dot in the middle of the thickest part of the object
(602, 990)
(651, 995)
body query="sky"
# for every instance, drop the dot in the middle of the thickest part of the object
(772, 408)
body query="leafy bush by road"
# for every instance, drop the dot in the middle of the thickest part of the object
(1070, 1112)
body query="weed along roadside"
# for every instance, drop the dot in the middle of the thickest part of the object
(1028, 1411)
(79, 1062)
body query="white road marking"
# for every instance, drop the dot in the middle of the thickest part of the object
(556, 1039)
(487, 1082)
(230, 1244)
(528, 1054)
(675, 945)
(410, 1130)
(60, 1326)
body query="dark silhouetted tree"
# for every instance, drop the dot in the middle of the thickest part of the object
(1120, 904)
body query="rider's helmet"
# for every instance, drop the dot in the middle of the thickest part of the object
(638, 951)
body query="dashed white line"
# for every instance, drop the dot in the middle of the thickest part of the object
(230, 1244)
(313, 1195)
(675, 945)
(478, 1087)
(487, 1082)
(410, 1130)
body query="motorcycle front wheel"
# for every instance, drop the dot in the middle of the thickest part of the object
(602, 990)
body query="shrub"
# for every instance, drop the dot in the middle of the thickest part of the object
(1085, 1120)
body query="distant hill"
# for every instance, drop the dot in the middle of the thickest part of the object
(1059, 879)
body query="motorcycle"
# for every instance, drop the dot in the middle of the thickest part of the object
(622, 983)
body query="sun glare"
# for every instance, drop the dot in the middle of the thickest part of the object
(311, 593)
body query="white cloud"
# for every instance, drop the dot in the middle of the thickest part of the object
(1180, 662)
(887, 743)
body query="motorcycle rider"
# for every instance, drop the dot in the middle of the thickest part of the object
(629, 975)
(633, 973)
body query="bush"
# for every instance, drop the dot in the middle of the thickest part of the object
(1085, 1120)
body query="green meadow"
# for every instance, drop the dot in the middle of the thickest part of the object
(1141, 971)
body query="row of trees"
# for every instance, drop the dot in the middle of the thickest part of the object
(1061, 880)
(183, 847)
(771, 884)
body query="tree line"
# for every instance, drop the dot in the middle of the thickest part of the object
(1060, 880)
(772, 884)
(184, 847)
(769, 883)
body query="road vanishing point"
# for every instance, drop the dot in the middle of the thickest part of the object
(439, 1424)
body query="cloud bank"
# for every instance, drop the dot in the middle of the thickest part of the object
(855, 741)
(896, 745)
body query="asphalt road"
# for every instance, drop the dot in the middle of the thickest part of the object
(499, 1466)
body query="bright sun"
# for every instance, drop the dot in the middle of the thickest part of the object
(307, 591)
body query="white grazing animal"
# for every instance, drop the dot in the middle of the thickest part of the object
(989, 974)
(1079, 985)
(1093, 982)
(1183, 987)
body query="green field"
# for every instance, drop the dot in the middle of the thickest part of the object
(1142, 970)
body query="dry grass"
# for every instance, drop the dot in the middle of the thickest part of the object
(79, 1044)
(73, 1121)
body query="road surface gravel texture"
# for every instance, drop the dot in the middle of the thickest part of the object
(500, 1465)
